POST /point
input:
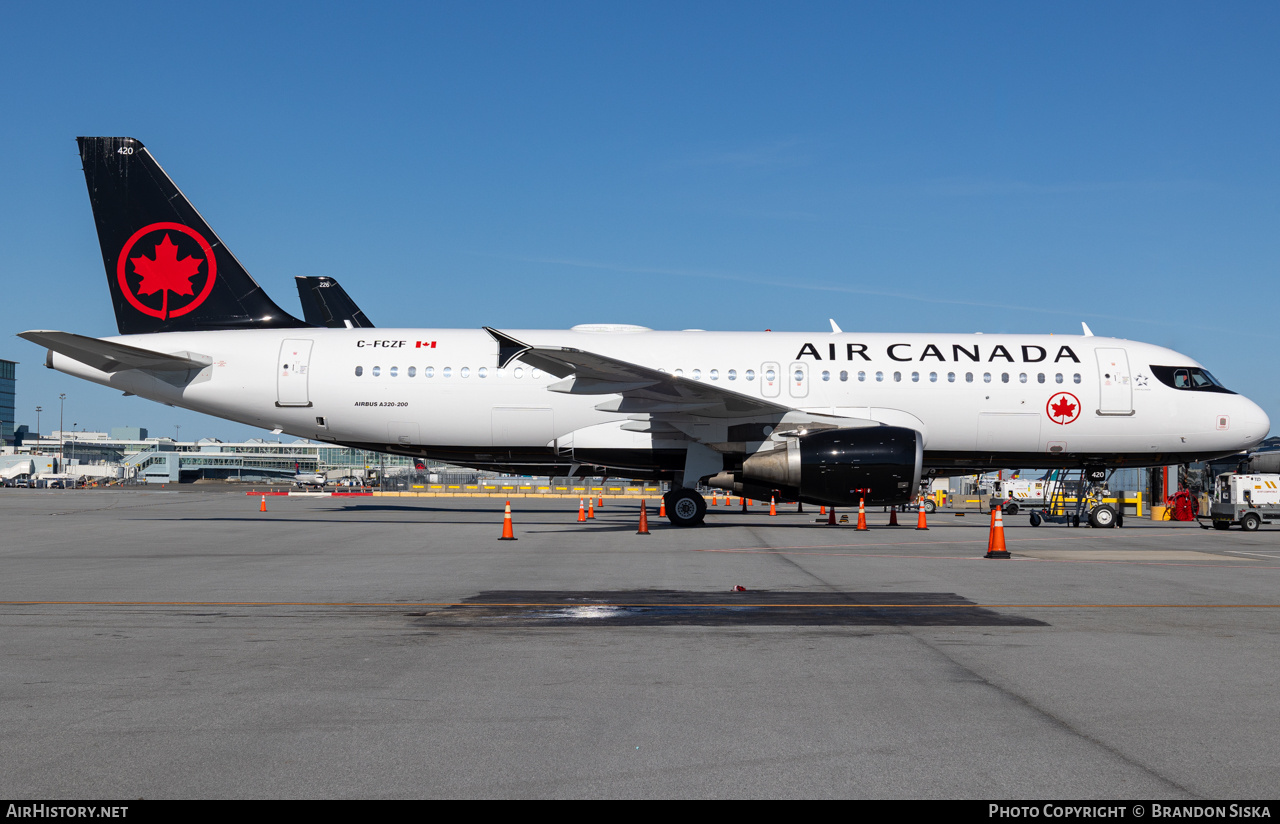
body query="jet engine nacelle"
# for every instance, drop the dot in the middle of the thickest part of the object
(880, 464)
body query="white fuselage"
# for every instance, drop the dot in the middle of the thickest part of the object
(978, 400)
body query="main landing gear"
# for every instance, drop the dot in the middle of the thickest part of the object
(685, 507)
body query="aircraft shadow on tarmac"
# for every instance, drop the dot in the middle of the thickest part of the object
(664, 607)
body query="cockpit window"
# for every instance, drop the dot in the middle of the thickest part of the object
(1191, 378)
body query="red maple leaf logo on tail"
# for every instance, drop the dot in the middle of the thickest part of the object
(1063, 409)
(166, 271)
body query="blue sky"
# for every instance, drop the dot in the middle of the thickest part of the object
(958, 167)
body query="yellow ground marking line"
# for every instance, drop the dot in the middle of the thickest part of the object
(601, 604)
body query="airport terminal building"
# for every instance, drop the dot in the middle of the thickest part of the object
(128, 454)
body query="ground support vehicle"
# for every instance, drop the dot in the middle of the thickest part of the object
(1075, 496)
(1247, 501)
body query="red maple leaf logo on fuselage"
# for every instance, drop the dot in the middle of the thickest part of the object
(1062, 408)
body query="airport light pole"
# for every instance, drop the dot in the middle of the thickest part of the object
(39, 409)
(61, 437)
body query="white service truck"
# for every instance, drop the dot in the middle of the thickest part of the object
(1246, 500)
(1019, 492)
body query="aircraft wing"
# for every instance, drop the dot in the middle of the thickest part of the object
(109, 356)
(644, 390)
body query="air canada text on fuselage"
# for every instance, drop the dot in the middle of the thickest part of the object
(945, 352)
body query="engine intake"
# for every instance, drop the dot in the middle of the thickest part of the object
(880, 464)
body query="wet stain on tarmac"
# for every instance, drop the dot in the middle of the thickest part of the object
(665, 607)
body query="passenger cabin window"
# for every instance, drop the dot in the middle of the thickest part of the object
(844, 376)
(879, 376)
(770, 375)
(951, 377)
(915, 377)
(447, 372)
(359, 371)
(482, 372)
(862, 376)
(714, 374)
(413, 370)
(1075, 378)
(518, 372)
(897, 377)
(732, 374)
(1040, 378)
(933, 377)
(377, 370)
(968, 377)
(696, 374)
(429, 371)
(750, 374)
(1057, 378)
(826, 376)
(393, 371)
(1190, 378)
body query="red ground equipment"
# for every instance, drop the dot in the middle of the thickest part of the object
(1182, 506)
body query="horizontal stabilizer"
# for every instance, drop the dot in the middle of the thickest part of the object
(108, 356)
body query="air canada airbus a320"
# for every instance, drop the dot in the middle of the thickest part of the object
(821, 418)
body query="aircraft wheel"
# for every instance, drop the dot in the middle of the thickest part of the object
(930, 506)
(1035, 518)
(1102, 517)
(685, 507)
(1250, 522)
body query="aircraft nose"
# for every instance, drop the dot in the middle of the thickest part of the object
(1255, 424)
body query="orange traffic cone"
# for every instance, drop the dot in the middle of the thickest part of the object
(715, 500)
(862, 513)
(600, 502)
(507, 533)
(773, 506)
(997, 548)
(591, 510)
(644, 520)
(263, 508)
(822, 510)
(893, 516)
(727, 502)
(799, 507)
(582, 510)
(921, 523)
(831, 516)
(662, 508)
(991, 533)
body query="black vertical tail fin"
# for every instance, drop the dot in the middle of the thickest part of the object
(167, 269)
(325, 303)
